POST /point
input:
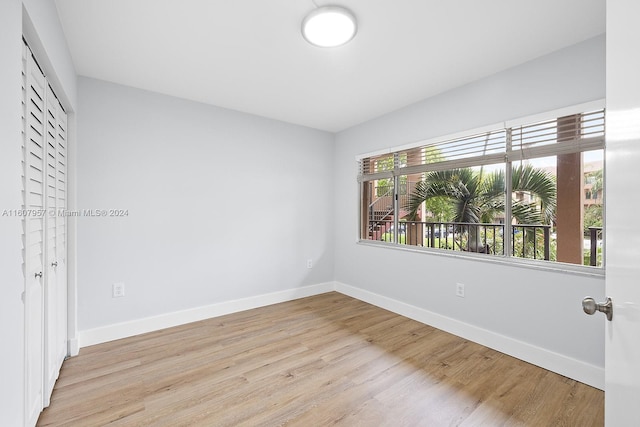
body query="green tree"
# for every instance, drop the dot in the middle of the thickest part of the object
(592, 217)
(476, 197)
(593, 213)
(440, 208)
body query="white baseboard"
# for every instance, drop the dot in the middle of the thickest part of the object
(168, 320)
(74, 347)
(563, 365)
(558, 363)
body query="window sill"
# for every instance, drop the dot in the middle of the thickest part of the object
(557, 267)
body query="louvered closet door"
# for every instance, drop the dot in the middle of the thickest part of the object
(55, 290)
(34, 152)
(61, 237)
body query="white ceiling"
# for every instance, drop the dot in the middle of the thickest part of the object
(249, 55)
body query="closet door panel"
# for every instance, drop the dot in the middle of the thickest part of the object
(34, 92)
(44, 194)
(55, 294)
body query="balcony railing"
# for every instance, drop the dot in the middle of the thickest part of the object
(528, 241)
(595, 238)
(532, 241)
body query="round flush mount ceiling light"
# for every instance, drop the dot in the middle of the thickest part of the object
(329, 26)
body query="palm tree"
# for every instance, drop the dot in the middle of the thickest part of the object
(477, 197)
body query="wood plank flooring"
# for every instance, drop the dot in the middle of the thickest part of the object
(323, 360)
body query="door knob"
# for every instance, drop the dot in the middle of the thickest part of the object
(38, 275)
(54, 264)
(590, 306)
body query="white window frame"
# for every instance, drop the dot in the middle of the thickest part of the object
(506, 125)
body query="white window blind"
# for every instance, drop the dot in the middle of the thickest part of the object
(563, 135)
(570, 134)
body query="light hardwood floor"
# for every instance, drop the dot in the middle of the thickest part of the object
(324, 360)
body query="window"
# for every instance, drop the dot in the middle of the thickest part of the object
(532, 191)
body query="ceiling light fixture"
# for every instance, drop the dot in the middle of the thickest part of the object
(329, 26)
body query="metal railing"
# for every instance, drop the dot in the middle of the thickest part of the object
(528, 241)
(595, 236)
(532, 241)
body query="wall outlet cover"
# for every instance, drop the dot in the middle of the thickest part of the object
(118, 290)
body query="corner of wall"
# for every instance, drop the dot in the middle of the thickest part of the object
(563, 365)
(140, 326)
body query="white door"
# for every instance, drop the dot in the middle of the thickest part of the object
(622, 340)
(55, 291)
(34, 90)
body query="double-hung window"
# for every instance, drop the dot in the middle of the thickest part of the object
(528, 189)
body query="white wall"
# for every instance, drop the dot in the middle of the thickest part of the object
(539, 310)
(55, 59)
(221, 205)
(11, 307)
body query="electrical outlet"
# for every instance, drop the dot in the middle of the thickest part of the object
(309, 263)
(118, 290)
(460, 290)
